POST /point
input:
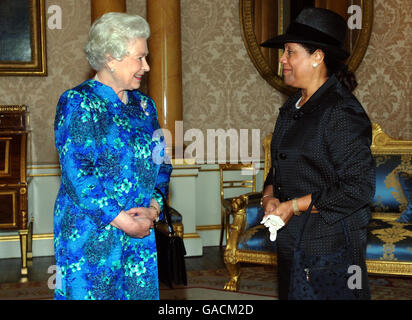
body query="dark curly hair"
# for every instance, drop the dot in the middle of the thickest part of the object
(337, 67)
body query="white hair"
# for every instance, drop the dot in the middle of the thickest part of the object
(111, 35)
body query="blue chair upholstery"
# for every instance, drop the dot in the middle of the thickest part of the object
(389, 248)
(389, 240)
(389, 196)
(255, 235)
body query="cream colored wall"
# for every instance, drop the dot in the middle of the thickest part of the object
(385, 75)
(221, 87)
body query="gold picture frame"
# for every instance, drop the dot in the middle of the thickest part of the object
(22, 38)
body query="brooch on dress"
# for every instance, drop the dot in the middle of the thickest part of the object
(143, 104)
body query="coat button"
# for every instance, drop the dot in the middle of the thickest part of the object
(282, 156)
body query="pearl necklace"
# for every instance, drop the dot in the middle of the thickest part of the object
(125, 99)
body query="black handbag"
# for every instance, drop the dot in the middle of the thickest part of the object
(170, 250)
(321, 277)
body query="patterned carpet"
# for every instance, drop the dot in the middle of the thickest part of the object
(261, 283)
(257, 283)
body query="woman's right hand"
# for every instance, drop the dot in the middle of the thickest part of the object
(269, 202)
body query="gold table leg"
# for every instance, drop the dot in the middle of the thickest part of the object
(23, 248)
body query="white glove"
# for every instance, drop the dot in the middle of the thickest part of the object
(274, 223)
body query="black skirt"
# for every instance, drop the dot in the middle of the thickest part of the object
(322, 245)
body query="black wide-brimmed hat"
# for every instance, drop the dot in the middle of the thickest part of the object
(315, 26)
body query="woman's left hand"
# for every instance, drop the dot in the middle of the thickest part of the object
(284, 210)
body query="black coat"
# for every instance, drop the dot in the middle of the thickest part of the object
(323, 149)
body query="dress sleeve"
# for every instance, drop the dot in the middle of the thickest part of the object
(162, 184)
(163, 178)
(84, 167)
(269, 178)
(161, 190)
(348, 140)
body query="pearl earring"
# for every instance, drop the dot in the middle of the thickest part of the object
(111, 70)
(314, 65)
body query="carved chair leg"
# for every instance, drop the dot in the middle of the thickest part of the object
(238, 207)
(234, 273)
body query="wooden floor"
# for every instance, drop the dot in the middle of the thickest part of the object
(38, 270)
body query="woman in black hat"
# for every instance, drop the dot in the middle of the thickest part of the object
(320, 149)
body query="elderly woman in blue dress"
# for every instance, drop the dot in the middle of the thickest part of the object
(113, 175)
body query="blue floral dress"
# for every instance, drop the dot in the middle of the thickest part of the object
(111, 158)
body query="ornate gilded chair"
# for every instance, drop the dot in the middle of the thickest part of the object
(177, 219)
(389, 246)
(248, 239)
(177, 222)
(229, 179)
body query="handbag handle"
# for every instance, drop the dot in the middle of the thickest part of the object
(166, 212)
(306, 216)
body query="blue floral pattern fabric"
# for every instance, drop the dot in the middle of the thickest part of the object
(111, 157)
